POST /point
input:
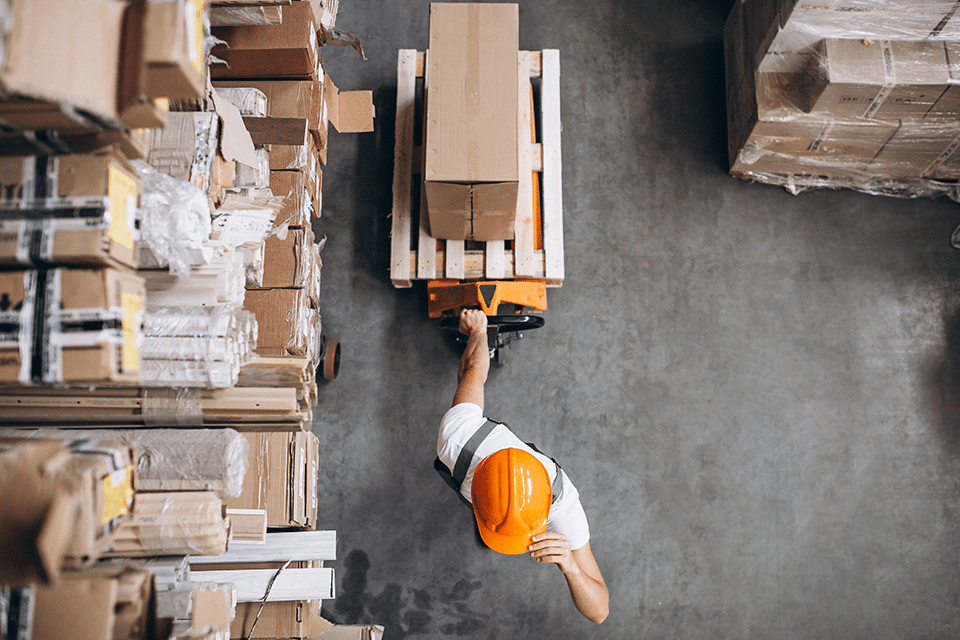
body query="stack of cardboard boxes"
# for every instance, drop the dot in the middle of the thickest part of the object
(73, 299)
(860, 95)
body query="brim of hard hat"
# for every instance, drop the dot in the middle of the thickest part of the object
(508, 545)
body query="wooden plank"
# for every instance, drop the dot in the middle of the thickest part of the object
(453, 263)
(494, 260)
(536, 157)
(426, 245)
(271, 130)
(290, 585)
(279, 546)
(552, 168)
(523, 242)
(402, 168)
(533, 67)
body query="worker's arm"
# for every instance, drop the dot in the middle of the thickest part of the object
(475, 363)
(587, 588)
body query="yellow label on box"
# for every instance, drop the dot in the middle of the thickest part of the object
(130, 303)
(122, 190)
(117, 494)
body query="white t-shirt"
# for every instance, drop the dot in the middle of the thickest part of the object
(462, 421)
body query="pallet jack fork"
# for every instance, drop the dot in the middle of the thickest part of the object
(445, 299)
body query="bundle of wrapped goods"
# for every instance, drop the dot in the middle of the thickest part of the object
(173, 459)
(172, 523)
(285, 407)
(61, 503)
(864, 99)
(196, 346)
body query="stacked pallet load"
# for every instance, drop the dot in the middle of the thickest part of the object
(860, 95)
(149, 411)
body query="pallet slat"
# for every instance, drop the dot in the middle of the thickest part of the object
(552, 191)
(403, 167)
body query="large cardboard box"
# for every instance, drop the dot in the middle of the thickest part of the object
(882, 79)
(289, 50)
(51, 58)
(60, 503)
(472, 148)
(280, 478)
(173, 51)
(74, 326)
(948, 106)
(74, 209)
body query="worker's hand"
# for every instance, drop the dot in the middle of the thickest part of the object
(553, 548)
(473, 321)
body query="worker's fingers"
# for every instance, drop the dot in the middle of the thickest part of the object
(551, 548)
(472, 321)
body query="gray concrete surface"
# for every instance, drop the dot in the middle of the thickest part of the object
(755, 392)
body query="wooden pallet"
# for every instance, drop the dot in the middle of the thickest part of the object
(415, 255)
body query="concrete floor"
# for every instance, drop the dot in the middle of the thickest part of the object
(756, 393)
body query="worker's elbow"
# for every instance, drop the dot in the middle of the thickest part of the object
(599, 615)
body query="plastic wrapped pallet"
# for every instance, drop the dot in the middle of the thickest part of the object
(860, 95)
(245, 16)
(174, 459)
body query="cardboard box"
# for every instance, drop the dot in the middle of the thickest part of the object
(71, 210)
(289, 99)
(286, 51)
(813, 146)
(882, 79)
(75, 326)
(280, 477)
(288, 263)
(60, 503)
(173, 50)
(472, 166)
(51, 57)
(296, 619)
(295, 157)
(109, 603)
(136, 109)
(299, 190)
(918, 150)
(287, 324)
(948, 106)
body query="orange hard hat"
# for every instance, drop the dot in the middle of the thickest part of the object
(511, 494)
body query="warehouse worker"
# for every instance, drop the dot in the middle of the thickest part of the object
(522, 500)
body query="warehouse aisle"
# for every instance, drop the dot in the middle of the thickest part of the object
(755, 392)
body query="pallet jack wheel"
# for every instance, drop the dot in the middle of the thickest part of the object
(331, 360)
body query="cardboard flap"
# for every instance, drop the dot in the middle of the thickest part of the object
(349, 111)
(235, 141)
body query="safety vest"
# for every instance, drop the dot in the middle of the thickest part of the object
(454, 479)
